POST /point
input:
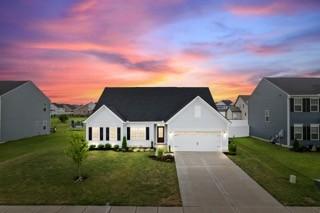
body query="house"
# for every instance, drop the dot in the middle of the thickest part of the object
(242, 103)
(24, 110)
(179, 118)
(62, 109)
(285, 109)
(223, 106)
(57, 109)
(84, 110)
(233, 113)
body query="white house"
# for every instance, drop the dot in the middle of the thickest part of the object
(223, 106)
(184, 119)
(242, 103)
(84, 110)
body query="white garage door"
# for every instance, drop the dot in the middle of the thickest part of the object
(196, 141)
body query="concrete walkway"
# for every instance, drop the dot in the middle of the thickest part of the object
(213, 182)
(132, 209)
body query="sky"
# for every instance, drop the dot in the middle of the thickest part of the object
(72, 49)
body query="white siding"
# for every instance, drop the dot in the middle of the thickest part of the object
(209, 121)
(243, 106)
(239, 128)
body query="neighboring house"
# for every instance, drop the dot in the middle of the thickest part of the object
(233, 113)
(84, 110)
(57, 109)
(182, 119)
(286, 108)
(223, 106)
(62, 109)
(242, 103)
(24, 110)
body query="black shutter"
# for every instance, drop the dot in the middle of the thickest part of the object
(147, 133)
(90, 134)
(101, 133)
(291, 105)
(308, 132)
(306, 105)
(292, 133)
(128, 133)
(107, 133)
(304, 132)
(118, 134)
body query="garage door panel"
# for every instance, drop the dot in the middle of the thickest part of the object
(190, 141)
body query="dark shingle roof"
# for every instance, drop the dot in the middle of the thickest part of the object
(150, 103)
(298, 86)
(6, 86)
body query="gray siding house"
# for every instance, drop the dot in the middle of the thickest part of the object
(285, 109)
(24, 111)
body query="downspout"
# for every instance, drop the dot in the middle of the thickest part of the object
(288, 121)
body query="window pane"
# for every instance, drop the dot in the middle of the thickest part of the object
(138, 133)
(113, 134)
(95, 133)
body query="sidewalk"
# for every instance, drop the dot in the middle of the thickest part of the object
(133, 209)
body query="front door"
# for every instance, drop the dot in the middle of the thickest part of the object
(160, 134)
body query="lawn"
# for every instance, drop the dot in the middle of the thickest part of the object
(36, 171)
(270, 165)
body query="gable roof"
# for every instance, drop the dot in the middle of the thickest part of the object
(297, 86)
(6, 86)
(245, 98)
(226, 102)
(150, 103)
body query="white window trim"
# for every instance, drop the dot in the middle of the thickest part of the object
(314, 104)
(267, 114)
(295, 104)
(314, 125)
(294, 133)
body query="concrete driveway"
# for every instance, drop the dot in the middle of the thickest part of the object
(212, 180)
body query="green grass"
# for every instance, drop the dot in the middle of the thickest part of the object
(270, 165)
(36, 171)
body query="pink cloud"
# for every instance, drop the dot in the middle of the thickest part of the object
(273, 7)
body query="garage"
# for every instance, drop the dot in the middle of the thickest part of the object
(197, 140)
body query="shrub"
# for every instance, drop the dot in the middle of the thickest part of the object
(167, 158)
(124, 146)
(159, 152)
(63, 118)
(92, 147)
(107, 146)
(100, 147)
(116, 147)
(297, 146)
(232, 148)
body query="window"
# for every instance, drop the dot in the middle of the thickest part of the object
(197, 111)
(298, 131)
(298, 104)
(314, 131)
(112, 133)
(95, 133)
(138, 133)
(267, 115)
(45, 107)
(314, 105)
(44, 124)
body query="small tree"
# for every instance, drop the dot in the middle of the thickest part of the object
(78, 152)
(63, 118)
(124, 144)
(232, 148)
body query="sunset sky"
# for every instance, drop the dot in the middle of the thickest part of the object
(72, 49)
